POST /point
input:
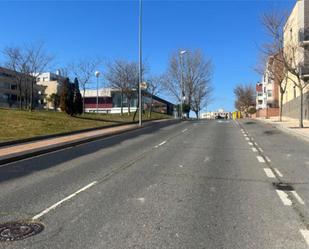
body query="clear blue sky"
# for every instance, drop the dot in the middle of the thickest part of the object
(227, 31)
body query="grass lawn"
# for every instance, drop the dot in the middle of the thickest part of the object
(16, 124)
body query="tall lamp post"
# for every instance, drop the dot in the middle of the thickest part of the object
(181, 53)
(97, 74)
(140, 65)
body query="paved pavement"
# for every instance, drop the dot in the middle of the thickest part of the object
(289, 125)
(203, 184)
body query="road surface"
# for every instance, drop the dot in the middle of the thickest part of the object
(198, 184)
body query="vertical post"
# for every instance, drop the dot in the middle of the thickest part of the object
(181, 86)
(97, 74)
(140, 66)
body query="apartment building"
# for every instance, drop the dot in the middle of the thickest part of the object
(15, 90)
(52, 83)
(296, 43)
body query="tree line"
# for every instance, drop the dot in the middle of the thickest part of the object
(190, 77)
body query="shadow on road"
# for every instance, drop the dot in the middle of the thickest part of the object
(29, 166)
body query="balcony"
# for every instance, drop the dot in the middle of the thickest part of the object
(304, 71)
(303, 36)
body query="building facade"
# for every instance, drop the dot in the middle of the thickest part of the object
(16, 90)
(52, 83)
(296, 42)
(109, 101)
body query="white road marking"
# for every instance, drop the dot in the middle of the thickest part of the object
(254, 149)
(141, 199)
(47, 210)
(247, 139)
(269, 173)
(250, 143)
(184, 130)
(278, 172)
(207, 158)
(256, 144)
(180, 166)
(284, 198)
(298, 198)
(160, 144)
(260, 149)
(260, 159)
(305, 234)
(245, 135)
(268, 159)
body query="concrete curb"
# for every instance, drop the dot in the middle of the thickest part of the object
(286, 130)
(44, 150)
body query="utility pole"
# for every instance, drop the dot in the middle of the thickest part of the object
(140, 65)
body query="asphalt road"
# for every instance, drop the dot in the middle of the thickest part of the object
(203, 184)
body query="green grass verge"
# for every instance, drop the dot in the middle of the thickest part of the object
(16, 124)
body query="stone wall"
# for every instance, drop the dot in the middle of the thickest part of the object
(292, 108)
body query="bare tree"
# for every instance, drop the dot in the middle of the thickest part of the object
(154, 86)
(84, 70)
(245, 97)
(123, 75)
(201, 97)
(36, 63)
(290, 55)
(195, 70)
(28, 62)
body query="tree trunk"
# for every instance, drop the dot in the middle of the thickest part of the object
(31, 96)
(301, 124)
(281, 106)
(129, 105)
(150, 108)
(84, 88)
(196, 113)
(121, 104)
(20, 97)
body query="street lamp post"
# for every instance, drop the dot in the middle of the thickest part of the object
(140, 65)
(97, 74)
(181, 81)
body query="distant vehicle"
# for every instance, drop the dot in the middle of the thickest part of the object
(219, 117)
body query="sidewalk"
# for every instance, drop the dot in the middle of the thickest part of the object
(289, 125)
(17, 152)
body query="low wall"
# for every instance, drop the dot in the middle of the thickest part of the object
(291, 109)
(268, 112)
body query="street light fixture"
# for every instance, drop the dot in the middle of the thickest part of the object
(181, 53)
(97, 75)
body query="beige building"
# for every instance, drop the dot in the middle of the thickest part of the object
(296, 41)
(52, 83)
(15, 90)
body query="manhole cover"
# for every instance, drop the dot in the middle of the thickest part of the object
(12, 231)
(283, 186)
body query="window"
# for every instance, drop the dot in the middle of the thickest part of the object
(13, 87)
(269, 93)
(260, 94)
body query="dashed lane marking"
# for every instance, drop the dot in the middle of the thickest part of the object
(247, 139)
(278, 172)
(298, 198)
(184, 130)
(47, 210)
(305, 234)
(284, 197)
(260, 159)
(164, 142)
(254, 149)
(267, 159)
(269, 173)
(250, 143)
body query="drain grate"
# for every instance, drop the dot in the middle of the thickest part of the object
(12, 231)
(283, 186)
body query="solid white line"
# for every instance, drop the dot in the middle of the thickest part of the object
(250, 143)
(254, 149)
(260, 159)
(47, 210)
(278, 172)
(298, 198)
(184, 130)
(269, 173)
(305, 234)
(284, 198)
(268, 159)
